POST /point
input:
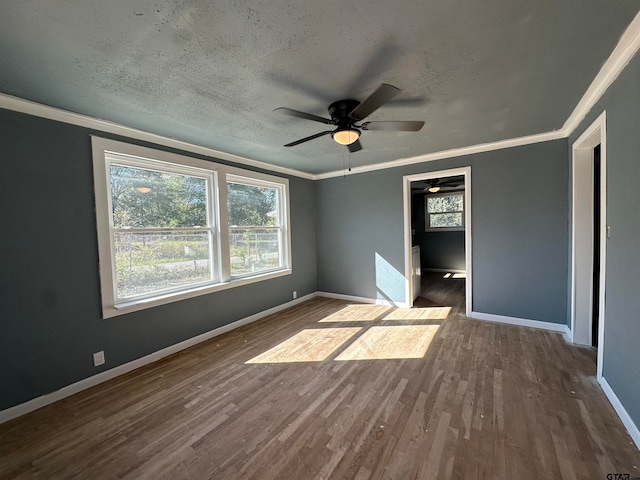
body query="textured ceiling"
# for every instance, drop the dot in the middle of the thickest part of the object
(212, 72)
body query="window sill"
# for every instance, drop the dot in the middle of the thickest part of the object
(444, 229)
(109, 311)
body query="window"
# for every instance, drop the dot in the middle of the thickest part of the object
(162, 233)
(172, 227)
(444, 211)
(255, 226)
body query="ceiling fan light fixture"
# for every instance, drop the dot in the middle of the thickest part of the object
(434, 189)
(346, 136)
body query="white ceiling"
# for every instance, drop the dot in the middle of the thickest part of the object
(212, 72)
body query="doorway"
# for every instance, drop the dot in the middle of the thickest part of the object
(588, 237)
(595, 308)
(453, 176)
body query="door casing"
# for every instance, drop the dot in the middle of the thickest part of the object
(466, 171)
(582, 232)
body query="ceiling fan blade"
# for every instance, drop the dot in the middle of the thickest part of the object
(451, 181)
(382, 95)
(307, 116)
(306, 139)
(355, 146)
(394, 126)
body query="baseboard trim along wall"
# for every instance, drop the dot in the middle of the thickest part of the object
(353, 298)
(631, 427)
(521, 322)
(39, 402)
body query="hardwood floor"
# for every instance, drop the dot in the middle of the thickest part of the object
(330, 389)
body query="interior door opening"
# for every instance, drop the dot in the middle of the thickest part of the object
(589, 233)
(595, 308)
(437, 239)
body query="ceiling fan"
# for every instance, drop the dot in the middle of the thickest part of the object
(436, 184)
(347, 116)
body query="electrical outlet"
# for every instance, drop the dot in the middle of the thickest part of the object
(295, 294)
(98, 358)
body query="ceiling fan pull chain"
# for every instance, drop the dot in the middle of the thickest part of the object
(344, 165)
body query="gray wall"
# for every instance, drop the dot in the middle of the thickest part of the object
(442, 250)
(49, 286)
(519, 229)
(438, 250)
(622, 314)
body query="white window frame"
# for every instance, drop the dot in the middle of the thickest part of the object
(427, 214)
(281, 221)
(107, 151)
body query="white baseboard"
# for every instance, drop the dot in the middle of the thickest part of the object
(353, 298)
(621, 411)
(522, 322)
(34, 404)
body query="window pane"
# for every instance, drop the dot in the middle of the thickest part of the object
(444, 220)
(143, 198)
(152, 262)
(250, 205)
(255, 242)
(254, 250)
(446, 203)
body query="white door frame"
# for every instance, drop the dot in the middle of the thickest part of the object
(582, 176)
(466, 171)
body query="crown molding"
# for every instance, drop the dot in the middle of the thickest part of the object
(622, 54)
(28, 107)
(455, 152)
(17, 104)
(627, 47)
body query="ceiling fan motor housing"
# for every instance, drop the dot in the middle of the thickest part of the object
(340, 112)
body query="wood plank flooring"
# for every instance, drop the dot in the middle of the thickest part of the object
(331, 389)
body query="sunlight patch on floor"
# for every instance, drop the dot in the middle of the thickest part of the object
(427, 313)
(310, 345)
(455, 275)
(391, 342)
(357, 313)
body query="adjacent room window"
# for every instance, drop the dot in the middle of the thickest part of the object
(173, 227)
(444, 211)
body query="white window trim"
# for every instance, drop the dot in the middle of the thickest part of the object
(427, 214)
(283, 216)
(101, 147)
